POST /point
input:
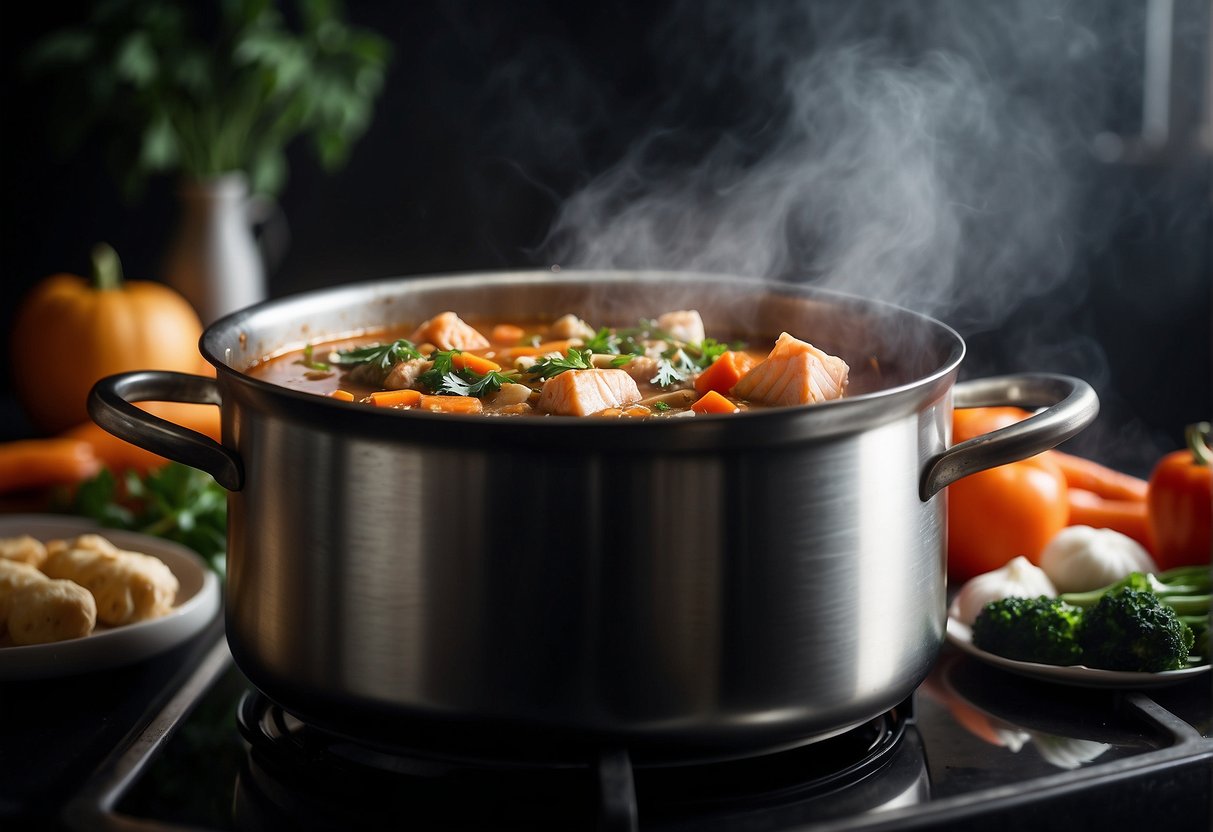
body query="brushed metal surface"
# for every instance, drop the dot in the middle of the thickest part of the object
(739, 581)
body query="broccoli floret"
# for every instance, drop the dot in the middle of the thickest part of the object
(1184, 589)
(1041, 629)
(1131, 629)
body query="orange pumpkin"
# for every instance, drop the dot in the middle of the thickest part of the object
(70, 332)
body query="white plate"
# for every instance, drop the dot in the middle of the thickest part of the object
(197, 603)
(961, 635)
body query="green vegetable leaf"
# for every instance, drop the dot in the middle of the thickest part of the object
(311, 363)
(175, 502)
(605, 341)
(236, 90)
(546, 368)
(706, 351)
(444, 380)
(382, 356)
(673, 368)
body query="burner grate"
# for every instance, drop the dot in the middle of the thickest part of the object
(304, 773)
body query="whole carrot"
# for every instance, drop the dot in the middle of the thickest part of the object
(1089, 475)
(38, 463)
(1129, 517)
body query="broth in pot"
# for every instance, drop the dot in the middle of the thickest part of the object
(659, 368)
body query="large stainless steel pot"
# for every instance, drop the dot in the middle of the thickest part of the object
(724, 583)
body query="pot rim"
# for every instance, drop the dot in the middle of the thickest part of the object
(844, 415)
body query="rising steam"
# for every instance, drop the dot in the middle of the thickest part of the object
(887, 149)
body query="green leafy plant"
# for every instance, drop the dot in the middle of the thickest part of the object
(175, 502)
(208, 89)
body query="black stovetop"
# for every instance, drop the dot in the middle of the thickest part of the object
(156, 746)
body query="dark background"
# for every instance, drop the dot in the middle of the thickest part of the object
(495, 113)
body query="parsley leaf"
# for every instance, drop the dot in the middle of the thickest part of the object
(546, 368)
(706, 351)
(673, 367)
(490, 382)
(604, 342)
(382, 356)
(443, 379)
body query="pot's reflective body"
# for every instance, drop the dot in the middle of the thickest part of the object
(730, 582)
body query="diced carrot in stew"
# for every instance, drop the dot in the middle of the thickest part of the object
(342, 395)
(795, 372)
(395, 398)
(447, 331)
(473, 362)
(582, 392)
(713, 402)
(452, 404)
(506, 334)
(724, 372)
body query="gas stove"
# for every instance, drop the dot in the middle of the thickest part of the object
(185, 742)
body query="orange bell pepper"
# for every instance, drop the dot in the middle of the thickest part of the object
(998, 514)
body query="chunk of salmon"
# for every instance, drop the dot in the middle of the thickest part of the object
(582, 392)
(570, 326)
(685, 325)
(404, 375)
(447, 331)
(795, 372)
(641, 368)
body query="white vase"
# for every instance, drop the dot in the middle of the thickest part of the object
(215, 259)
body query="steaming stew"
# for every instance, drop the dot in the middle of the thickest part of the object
(665, 367)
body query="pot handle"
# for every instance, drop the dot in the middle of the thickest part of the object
(110, 405)
(1069, 406)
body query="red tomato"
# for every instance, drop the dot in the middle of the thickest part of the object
(1181, 503)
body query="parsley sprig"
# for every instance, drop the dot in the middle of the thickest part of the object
(381, 356)
(674, 366)
(574, 359)
(444, 380)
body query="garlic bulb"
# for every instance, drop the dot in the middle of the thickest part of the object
(1020, 578)
(1080, 558)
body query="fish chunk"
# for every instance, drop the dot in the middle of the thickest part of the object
(795, 372)
(404, 375)
(447, 331)
(582, 392)
(641, 368)
(685, 325)
(570, 326)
